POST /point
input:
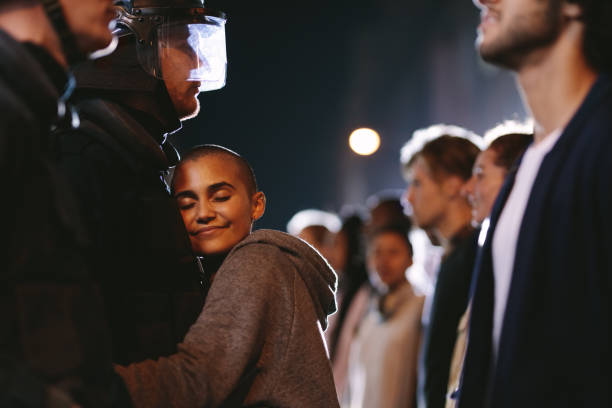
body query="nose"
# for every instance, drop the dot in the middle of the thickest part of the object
(409, 194)
(206, 213)
(201, 61)
(195, 59)
(468, 187)
(406, 206)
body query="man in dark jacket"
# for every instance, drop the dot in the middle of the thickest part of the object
(55, 347)
(128, 103)
(540, 326)
(438, 174)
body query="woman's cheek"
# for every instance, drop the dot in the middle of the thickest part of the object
(187, 218)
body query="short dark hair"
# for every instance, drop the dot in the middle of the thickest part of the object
(386, 211)
(448, 156)
(508, 148)
(597, 17)
(320, 234)
(247, 173)
(400, 230)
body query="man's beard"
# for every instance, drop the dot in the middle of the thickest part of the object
(525, 34)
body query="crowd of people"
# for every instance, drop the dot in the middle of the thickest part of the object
(394, 338)
(133, 277)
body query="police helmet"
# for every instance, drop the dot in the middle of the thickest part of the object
(165, 26)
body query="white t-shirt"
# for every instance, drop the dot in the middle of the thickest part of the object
(507, 230)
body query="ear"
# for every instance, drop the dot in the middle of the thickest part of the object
(571, 10)
(258, 205)
(452, 186)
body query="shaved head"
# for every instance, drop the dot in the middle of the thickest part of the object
(246, 171)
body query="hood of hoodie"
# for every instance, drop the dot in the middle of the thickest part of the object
(319, 277)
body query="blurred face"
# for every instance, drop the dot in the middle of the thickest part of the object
(176, 64)
(339, 252)
(425, 195)
(510, 30)
(320, 238)
(483, 187)
(89, 21)
(389, 256)
(217, 210)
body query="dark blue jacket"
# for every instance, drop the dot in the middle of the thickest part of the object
(555, 342)
(450, 300)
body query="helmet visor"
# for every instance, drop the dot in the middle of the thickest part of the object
(193, 52)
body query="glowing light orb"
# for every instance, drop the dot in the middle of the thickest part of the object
(364, 141)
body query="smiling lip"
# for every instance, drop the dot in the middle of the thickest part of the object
(206, 231)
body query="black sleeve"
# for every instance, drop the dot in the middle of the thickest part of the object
(55, 347)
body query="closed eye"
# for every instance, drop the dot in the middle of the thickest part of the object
(220, 199)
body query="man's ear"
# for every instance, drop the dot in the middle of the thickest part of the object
(571, 10)
(258, 205)
(453, 186)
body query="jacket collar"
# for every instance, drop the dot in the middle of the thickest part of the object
(600, 87)
(24, 74)
(390, 303)
(128, 133)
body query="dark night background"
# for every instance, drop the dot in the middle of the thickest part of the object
(303, 75)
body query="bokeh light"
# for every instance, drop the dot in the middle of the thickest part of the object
(364, 141)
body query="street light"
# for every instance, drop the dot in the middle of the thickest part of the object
(364, 141)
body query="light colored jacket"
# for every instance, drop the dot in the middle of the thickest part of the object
(383, 359)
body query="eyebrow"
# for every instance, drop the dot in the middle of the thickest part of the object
(218, 186)
(186, 194)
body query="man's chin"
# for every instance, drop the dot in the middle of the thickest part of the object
(422, 224)
(491, 54)
(506, 61)
(487, 53)
(191, 112)
(94, 42)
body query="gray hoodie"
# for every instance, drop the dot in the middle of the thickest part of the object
(258, 341)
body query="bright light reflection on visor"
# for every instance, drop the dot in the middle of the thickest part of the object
(197, 51)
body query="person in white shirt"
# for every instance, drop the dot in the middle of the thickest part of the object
(539, 333)
(492, 166)
(383, 357)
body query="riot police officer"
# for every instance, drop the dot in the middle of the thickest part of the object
(168, 51)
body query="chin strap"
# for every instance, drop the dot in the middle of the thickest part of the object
(69, 45)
